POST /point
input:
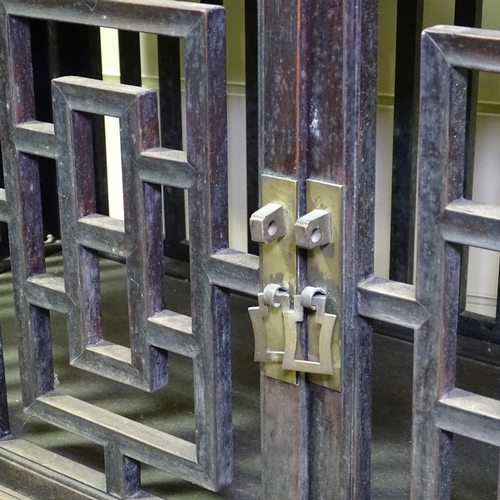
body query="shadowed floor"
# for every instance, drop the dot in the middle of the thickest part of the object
(171, 409)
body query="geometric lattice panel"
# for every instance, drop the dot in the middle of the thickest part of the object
(446, 223)
(154, 330)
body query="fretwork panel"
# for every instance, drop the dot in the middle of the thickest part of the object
(137, 238)
(446, 222)
(146, 167)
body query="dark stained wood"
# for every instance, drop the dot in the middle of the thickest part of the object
(442, 167)
(404, 151)
(469, 324)
(284, 439)
(468, 13)
(130, 57)
(406, 90)
(284, 434)
(350, 91)
(318, 67)
(252, 112)
(78, 53)
(169, 71)
(4, 408)
(201, 169)
(123, 475)
(44, 45)
(446, 222)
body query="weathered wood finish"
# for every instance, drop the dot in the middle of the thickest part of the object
(348, 160)
(146, 167)
(4, 408)
(472, 327)
(404, 148)
(169, 74)
(169, 82)
(446, 53)
(406, 91)
(252, 111)
(317, 112)
(446, 222)
(283, 406)
(130, 58)
(405, 135)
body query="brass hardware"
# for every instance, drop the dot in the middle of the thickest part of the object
(324, 270)
(314, 299)
(280, 308)
(273, 296)
(268, 223)
(285, 332)
(314, 229)
(279, 265)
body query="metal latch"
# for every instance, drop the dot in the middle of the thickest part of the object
(312, 299)
(285, 330)
(299, 330)
(275, 296)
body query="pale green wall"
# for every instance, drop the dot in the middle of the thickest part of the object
(435, 12)
(387, 44)
(489, 89)
(483, 269)
(235, 13)
(235, 41)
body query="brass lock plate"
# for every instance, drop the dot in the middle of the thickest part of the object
(324, 269)
(281, 306)
(279, 265)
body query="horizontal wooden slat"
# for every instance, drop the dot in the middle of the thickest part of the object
(173, 332)
(471, 48)
(469, 223)
(8, 494)
(135, 440)
(168, 167)
(176, 21)
(47, 291)
(94, 96)
(105, 234)
(111, 361)
(390, 301)
(36, 138)
(28, 468)
(470, 415)
(237, 271)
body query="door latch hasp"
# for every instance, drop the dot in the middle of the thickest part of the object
(284, 314)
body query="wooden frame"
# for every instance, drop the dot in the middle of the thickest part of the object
(202, 169)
